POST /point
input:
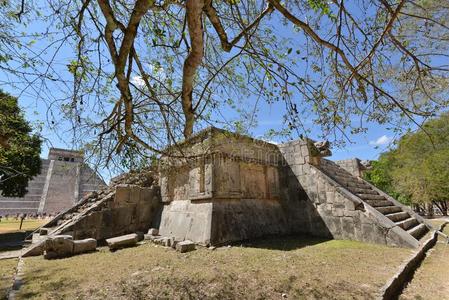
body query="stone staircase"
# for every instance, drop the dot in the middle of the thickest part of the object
(403, 218)
(29, 204)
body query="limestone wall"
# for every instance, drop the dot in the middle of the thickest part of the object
(352, 165)
(129, 209)
(228, 190)
(335, 212)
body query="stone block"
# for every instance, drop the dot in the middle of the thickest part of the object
(347, 226)
(123, 241)
(83, 246)
(146, 195)
(153, 231)
(59, 246)
(122, 194)
(185, 246)
(43, 231)
(135, 194)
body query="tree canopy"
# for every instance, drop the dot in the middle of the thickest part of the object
(417, 169)
(144, 73)
(19, 149)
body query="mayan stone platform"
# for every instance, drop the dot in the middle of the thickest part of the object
(218, 187)
(64, 179)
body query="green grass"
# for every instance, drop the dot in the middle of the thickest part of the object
(431, 279)
(301, 268)
(12, 225)
(7, 270)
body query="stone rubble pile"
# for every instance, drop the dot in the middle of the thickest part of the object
(171, 242)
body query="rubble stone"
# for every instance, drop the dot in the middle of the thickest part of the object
(185, 246)
(153, 231)
(123, 241)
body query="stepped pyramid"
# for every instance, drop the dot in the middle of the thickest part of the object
(62, 182)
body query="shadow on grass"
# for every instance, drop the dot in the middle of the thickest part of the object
(38, 282)
(284, 243)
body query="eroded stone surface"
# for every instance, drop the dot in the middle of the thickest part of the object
(123, 241)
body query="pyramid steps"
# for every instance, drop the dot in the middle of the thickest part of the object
(379, 202)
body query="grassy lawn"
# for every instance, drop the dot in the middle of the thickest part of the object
(431, 279)
(299, 267)
(11, 225)
(7, 270)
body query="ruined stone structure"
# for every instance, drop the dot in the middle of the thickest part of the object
(63, 181)
(219, 187)
(230, 187)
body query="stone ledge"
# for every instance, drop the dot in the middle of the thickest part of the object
(394, 287)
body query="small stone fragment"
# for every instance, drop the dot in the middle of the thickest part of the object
(153, 231)
(185, 246)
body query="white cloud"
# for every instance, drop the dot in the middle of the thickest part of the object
(383, 140)
(137, 81)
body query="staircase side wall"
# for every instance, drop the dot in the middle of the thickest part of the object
(337, 213)
(130, 209)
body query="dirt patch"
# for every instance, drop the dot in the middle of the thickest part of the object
(296, 267)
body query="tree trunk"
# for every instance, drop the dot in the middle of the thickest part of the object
(429, 209)
(194, 12)
(442, 207)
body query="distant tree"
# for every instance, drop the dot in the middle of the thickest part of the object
(19, 149)
(417, 170)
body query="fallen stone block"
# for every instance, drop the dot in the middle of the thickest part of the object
(185, 246)
(83, 246)
(153, 231)
(61, 245)
(43, 231)
(123, 241)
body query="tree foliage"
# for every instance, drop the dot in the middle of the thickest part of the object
(418, 168)
(19, 149)
(145, 73)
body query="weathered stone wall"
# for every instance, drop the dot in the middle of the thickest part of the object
(352, 165)
(129, 209)
(336, 212)
(229, 190)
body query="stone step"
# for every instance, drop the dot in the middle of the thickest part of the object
(364, 191)
(18, 204)
(17, 210)
(27, 197)
(370, 197)
(354, 184)
(399, 216)
(376, 203)
(407, 223)
(418, 231)
(388, 209)
(36, 185)
(34, 190)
